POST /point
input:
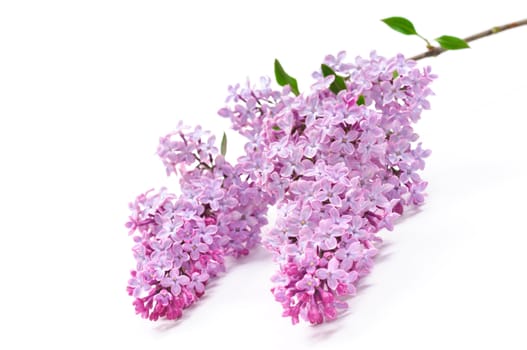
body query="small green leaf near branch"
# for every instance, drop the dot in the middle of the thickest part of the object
(401, 25)
(448, 42)
(405, 26)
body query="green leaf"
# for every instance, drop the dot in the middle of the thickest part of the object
(401, 25)
(395, 74)
(224, 145)
(338, 84)
(452, 43)
(361, 101)
(276, 128)
(282, 78)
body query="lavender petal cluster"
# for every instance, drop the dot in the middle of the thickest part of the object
(339, 167)
(181, 241)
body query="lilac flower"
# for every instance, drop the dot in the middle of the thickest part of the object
(332, 275)
(278, 185)
(392, 91)
(163, 297)
(334, 218)
(310, 142)
(212, 193)
(195, 248)
(160, 265)
(303, 189)
(207, 148)
(338, 173)
(327, 235)
(279, 148)
(322, 83)
(293, 164)
(357, 228)
(338, 62)
(198, 281)
(138, 284)
(310, 261)
(179, 256)
(160, 246)
(170, 228)
(330, 192)
(300, 221)
(308, 284)
(206, 232)
(174, 282)
(347, 255)
(416, 193)
(376, 193)
(343, 141)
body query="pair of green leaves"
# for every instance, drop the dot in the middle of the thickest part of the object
(337, 85)
(282, 78)
(400, 24)
(403, 25)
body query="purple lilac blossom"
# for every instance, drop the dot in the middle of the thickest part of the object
(338, 171)
(181, 242)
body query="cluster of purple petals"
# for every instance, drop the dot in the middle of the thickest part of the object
(181, 241)
(340, 167)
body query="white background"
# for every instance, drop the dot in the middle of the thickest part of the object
(88, 87)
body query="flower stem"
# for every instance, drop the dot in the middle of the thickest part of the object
(434, 51)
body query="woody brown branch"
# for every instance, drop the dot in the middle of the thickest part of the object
(434, 51)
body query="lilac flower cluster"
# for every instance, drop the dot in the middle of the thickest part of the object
(181, 241)
(225, 191)
(340, 167)
(175, 251)
(340, 161)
